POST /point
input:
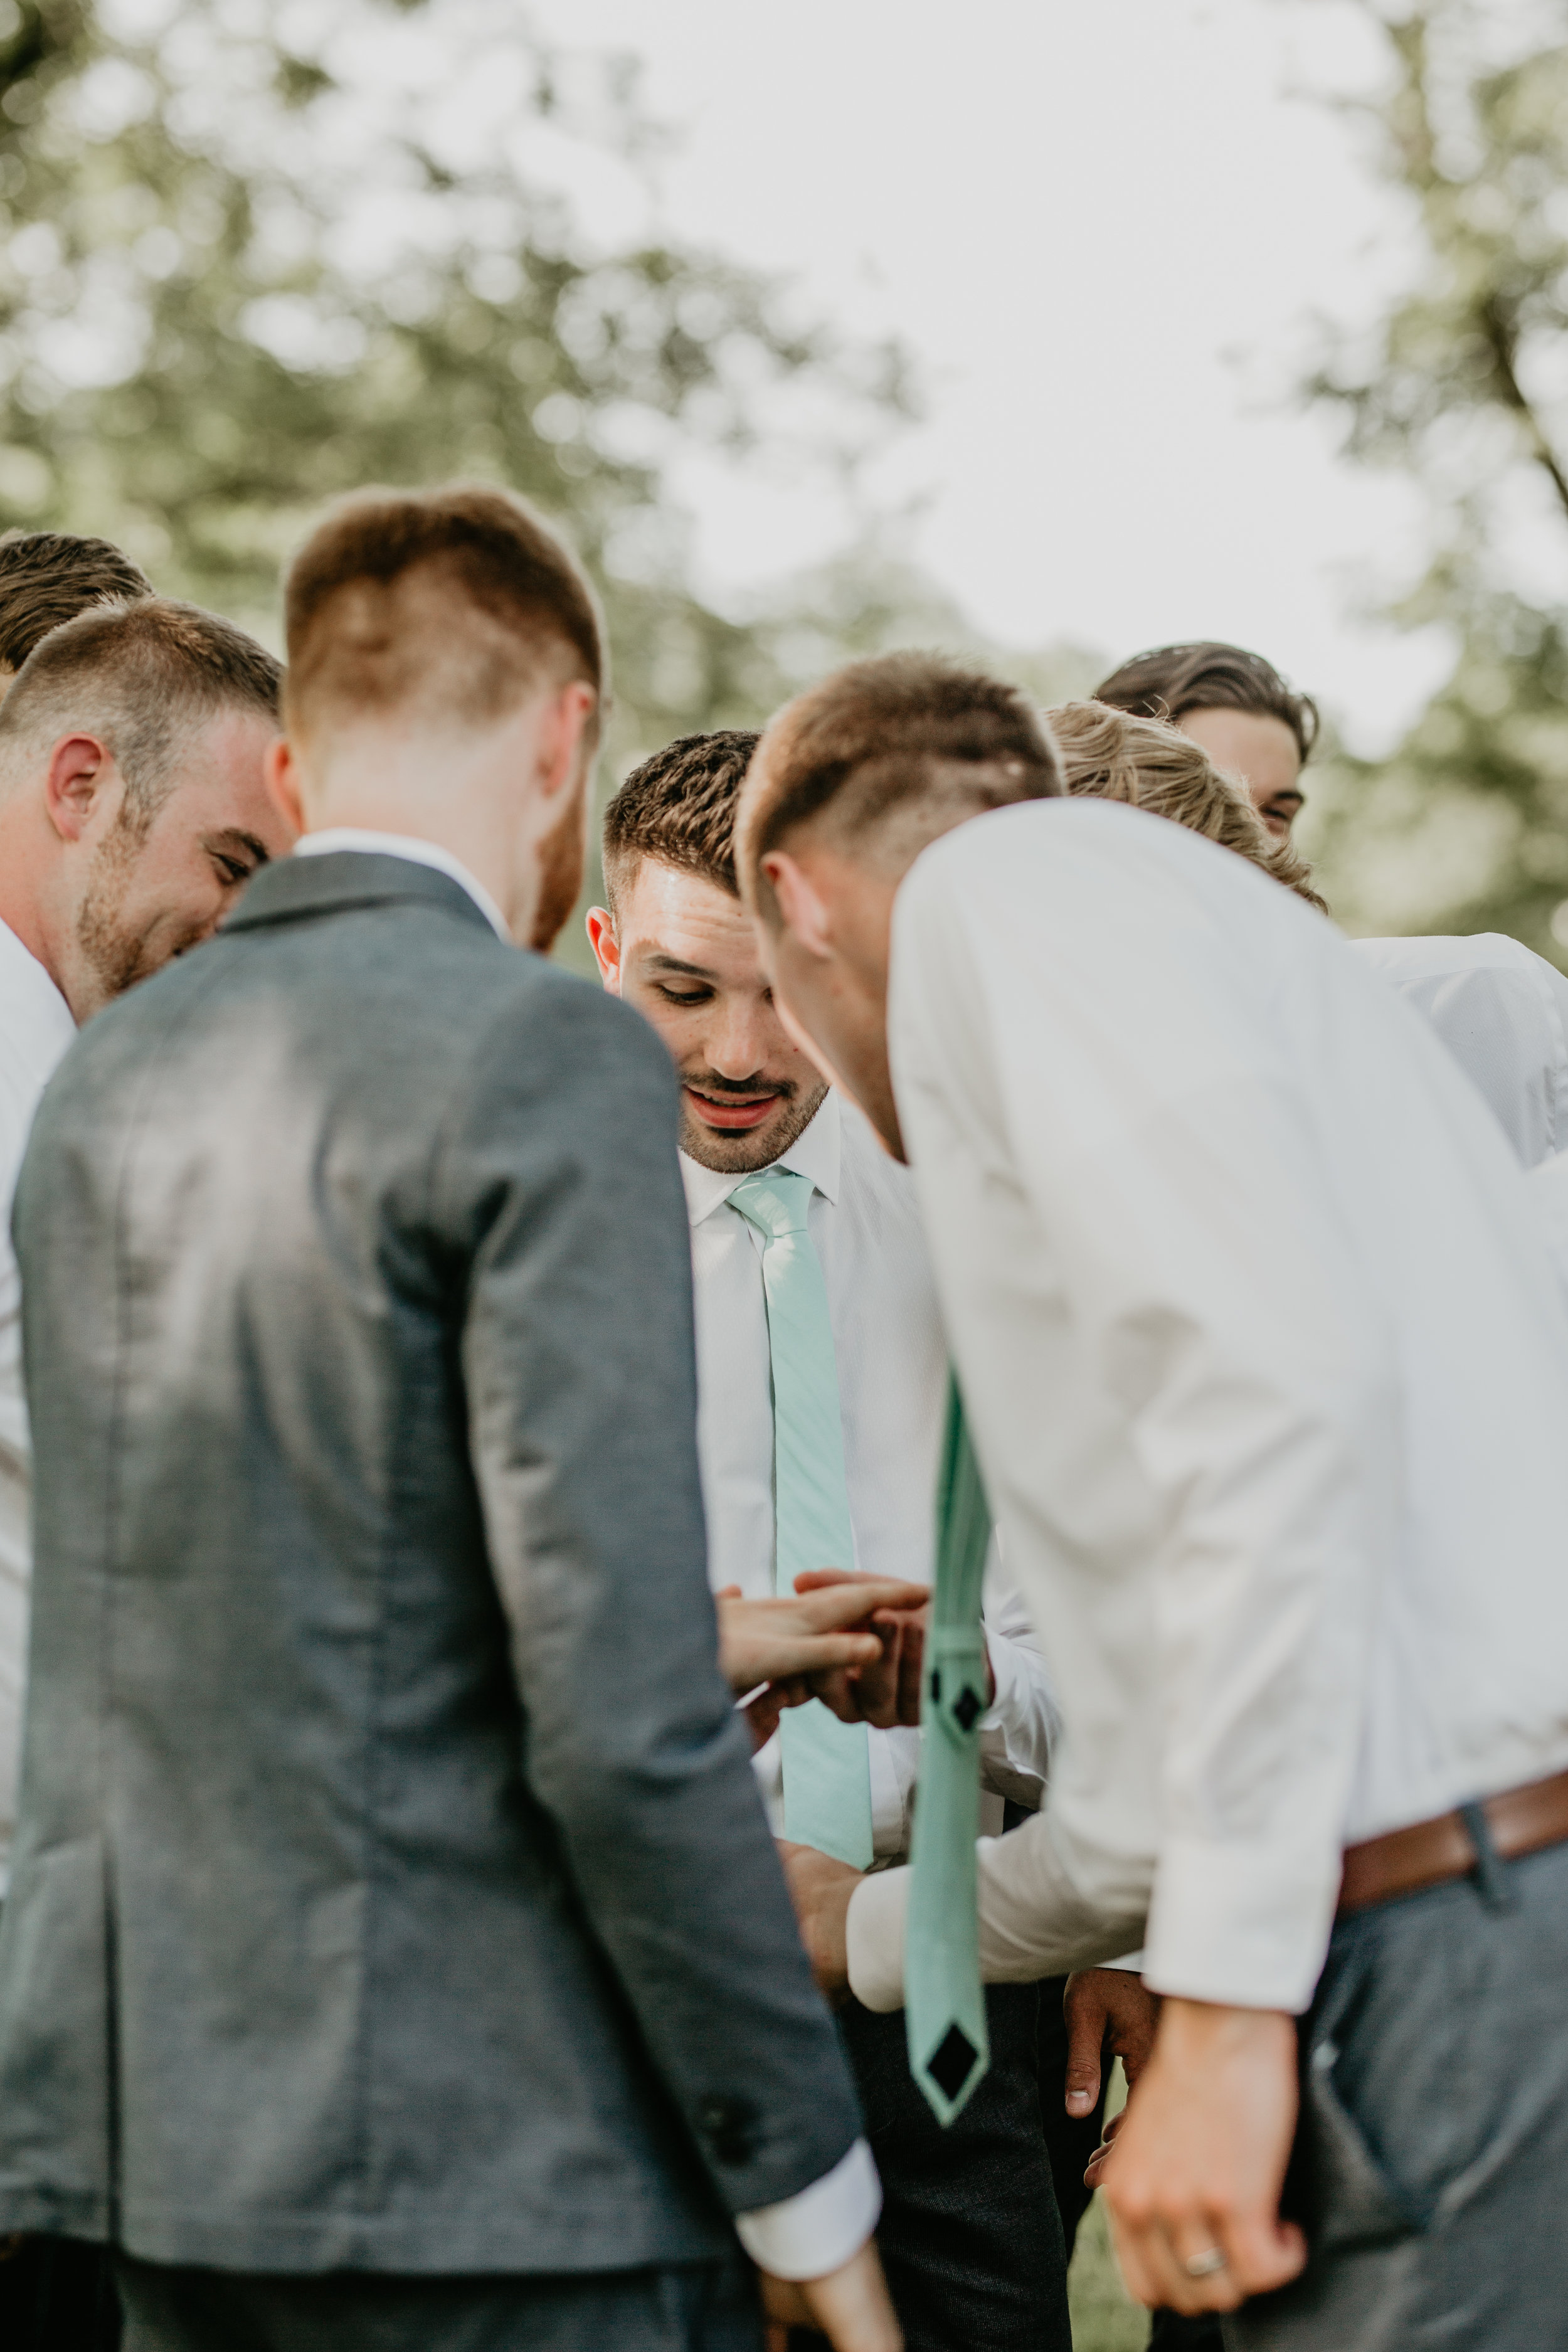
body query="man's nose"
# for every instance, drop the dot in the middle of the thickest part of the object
(737, 1048)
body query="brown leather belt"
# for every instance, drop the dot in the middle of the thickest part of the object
(1401, 1861)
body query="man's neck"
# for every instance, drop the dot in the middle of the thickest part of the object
(21, 908)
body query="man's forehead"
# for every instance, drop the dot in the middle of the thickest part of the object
(677, 917)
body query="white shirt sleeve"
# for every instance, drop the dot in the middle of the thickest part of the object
(1219, 1301)
(1043, 1913)
(1018, 1733)
(816, 2231)
(1549, 1191)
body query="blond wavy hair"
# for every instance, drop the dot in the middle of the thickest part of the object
(1110, 755)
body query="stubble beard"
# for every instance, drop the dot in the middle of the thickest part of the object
(113, 954)
(559, 874)
(741, 1153)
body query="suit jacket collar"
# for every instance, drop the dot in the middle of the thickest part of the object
(296, 889)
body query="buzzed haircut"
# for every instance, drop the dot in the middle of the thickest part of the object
(680, 807)
(47, 577)
(1111, 755)
(458, 601)
(899, 746)
(140, 676)
(1171, 680)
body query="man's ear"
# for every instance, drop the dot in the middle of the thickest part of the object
(561, 740)
(606, 948)
(285, 783)
(803, 910)
(79, 767)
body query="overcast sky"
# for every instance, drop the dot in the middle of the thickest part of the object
(1104, 231)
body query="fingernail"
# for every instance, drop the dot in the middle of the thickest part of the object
(1079, 2100)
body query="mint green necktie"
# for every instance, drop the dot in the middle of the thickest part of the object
(827, 1764)
(945, 2002)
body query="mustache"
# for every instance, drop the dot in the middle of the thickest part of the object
(709, 1082)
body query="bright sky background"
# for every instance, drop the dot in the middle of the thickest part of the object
(1103, 230)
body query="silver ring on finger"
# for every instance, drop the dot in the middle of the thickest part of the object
(1206, 2265)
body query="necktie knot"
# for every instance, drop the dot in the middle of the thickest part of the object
(776, 1202)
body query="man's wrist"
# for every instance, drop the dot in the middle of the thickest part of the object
(1200, 2032)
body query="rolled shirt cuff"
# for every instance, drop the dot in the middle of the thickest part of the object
(1245, 1926)
(874, 1932)
(817, 2229)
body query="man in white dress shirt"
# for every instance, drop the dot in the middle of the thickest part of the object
(969, 2236)
(1502, 1012)
(1249, 1307)
(132, 809)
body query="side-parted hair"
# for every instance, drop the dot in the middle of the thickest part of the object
(456, 601)
(140, 676)
(680, 807)
(47, 577)
(1171, 680)
(1109, 755)
(898, 748)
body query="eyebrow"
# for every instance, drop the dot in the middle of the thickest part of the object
(235, 836)
(661, 959)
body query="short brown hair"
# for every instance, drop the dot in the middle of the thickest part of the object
(50, 576)
(140, 676)
(680, 807)
(907, 735)
(1110, 755)
(1171, 680)
(459, 597)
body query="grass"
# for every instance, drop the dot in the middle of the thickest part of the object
(1104, 2317)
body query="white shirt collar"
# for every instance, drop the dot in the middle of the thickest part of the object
(417, 852)
(815, 1153)
(46, 1014)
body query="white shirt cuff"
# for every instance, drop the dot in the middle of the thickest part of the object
(874, 1932)
(1244, 1924)
(816, 2231)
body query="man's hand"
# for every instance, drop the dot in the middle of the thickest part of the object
(820, 1889)
(885, 1690)
(826, 1632)
(850, 2306)
(1109, 2012)
(1194, 2174)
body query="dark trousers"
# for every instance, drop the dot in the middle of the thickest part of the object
(1071, 2140)
(57, 2294)
(696, 2307)
(1431, 2165)
(969, 2235)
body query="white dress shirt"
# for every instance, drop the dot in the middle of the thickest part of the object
(1549, 1187)
(1502, 1012)
(36, 1027)
(1267, 1379)
(865, 1226)
(815, 2231)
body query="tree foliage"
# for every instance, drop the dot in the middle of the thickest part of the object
(239, 275)
(1463, 380)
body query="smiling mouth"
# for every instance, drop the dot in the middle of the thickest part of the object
(731, 1114)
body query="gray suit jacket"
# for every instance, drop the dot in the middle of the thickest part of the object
(391, 1889)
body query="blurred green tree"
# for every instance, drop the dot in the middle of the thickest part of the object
(1463, 379)
(252, 256)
